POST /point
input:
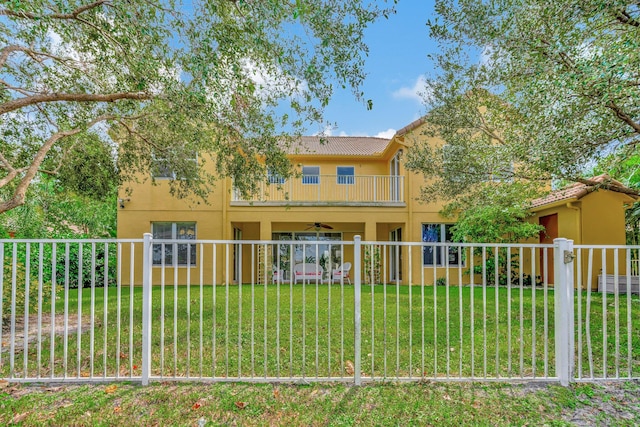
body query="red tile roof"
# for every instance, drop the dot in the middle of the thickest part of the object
(579, 190)
(339, 145)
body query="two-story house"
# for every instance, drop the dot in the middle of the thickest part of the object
(346, 186)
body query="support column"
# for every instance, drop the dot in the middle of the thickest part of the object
(370, 232)
(265, 230)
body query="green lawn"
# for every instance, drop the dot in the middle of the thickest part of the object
(308, 332)
(441, 404)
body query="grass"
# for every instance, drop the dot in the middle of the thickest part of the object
(333, 404)
(308, 331)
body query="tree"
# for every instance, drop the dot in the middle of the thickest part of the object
(529, 91)
(166, 80)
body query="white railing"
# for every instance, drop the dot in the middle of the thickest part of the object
(96, 310)
(318, 189)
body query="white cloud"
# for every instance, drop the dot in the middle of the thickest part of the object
(388, 134)
(326, 131)
(418, 92)
(273, 80)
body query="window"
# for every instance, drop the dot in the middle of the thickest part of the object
(311, 174)
(345, 174)
(439, 233)
(162, 168)
(186, 252)
(274, 178)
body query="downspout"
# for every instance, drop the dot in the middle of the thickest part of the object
(578, 210)
(226, 199)
(570, 205)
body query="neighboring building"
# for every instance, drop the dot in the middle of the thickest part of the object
(587, 215)
(348, 186)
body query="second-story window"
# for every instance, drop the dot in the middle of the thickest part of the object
(345, 174)
(274, 178)
(162, 167)
(311, 174)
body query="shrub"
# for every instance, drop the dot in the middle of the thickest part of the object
(21, 292)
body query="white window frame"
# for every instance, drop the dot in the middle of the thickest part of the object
(441, 249)
(343, 179)
(175, 247)
(168, 172)
(310, 177)
(274, 178)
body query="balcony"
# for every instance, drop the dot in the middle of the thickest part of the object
(328, 190)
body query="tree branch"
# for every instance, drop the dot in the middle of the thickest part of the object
(16, 104)
(607, 184)
(72, 15)
(625, 18)
(623, 116)
(19, 193)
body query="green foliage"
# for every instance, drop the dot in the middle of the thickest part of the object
(508, 269)
(528, 91)
(22, 288)
(494, 214)
(371, 260)
(165, 80)
(51, 211)
(89, 170)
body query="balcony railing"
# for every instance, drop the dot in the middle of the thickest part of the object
(363, 190)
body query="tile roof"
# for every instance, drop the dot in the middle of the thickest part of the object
(339, 145)
(579, 190)
(411, 126)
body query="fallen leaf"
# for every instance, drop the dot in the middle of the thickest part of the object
(19, 417)
(123, 355)
(276, 393)
(196, 405)
(117, 409)
(4, 384)
(85, 374)
(135, 366)
(446, 397)
(241, 405)
(111, 389)
(349, 367)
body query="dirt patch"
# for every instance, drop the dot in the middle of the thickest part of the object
(44, 328)
(607, 402)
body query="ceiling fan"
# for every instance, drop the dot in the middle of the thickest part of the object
(318, 225)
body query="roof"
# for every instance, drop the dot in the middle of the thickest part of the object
(339, 145)
(579, 190)
(411, 126)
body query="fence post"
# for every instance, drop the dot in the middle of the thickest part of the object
(564, 318)
(146, 308)
(357, 318)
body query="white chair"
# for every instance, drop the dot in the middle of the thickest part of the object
(308, 272)
(342, 273)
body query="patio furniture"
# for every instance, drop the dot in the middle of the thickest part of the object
(308, 272)
(342, 273)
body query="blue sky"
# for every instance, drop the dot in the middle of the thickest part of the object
(396, 66)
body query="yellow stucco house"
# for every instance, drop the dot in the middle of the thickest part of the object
(347, 186)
